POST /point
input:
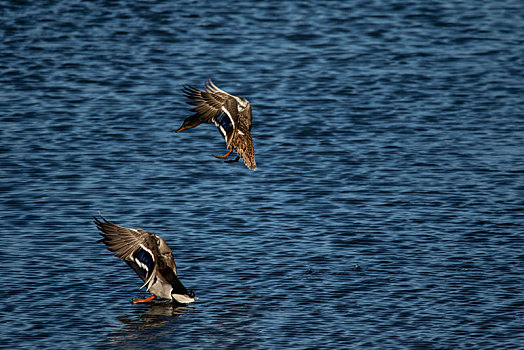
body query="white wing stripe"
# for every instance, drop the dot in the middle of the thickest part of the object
(229, 115)
(141, 264)
(221, 129)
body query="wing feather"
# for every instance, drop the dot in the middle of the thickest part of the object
(208, 102)
(212, 105)
(136, 247)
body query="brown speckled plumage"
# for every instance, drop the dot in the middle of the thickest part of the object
(231, 115)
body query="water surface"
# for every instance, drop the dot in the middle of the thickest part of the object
(386, 210)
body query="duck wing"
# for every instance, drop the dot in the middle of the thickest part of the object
(213, 105)
(137, 247)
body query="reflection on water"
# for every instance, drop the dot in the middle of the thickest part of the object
(147, 322)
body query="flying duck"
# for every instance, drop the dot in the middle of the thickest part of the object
(151, 258)
(231, 115)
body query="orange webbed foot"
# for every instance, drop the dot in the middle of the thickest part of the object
(138, 300)
(225, 155)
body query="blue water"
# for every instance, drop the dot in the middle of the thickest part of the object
(386, 211)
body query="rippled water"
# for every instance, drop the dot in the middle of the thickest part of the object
(386, 210)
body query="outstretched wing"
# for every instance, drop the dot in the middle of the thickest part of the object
(213, 105)
(137, 247)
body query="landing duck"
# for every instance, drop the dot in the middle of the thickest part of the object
(149, 256)
(231, 115)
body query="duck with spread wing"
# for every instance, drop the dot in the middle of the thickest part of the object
(230, 114)
(149, 256)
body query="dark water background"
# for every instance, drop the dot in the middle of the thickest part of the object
(387, 210)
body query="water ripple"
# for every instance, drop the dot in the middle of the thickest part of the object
(385, 212)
